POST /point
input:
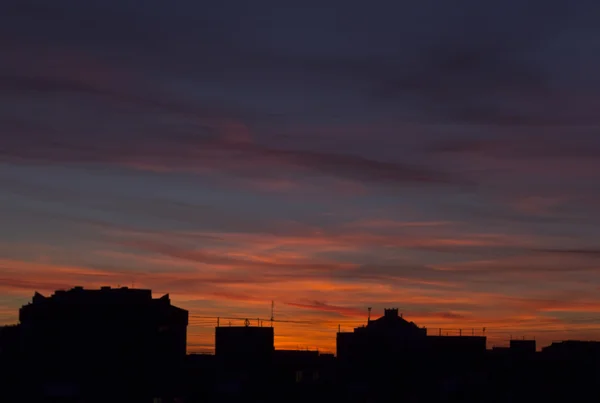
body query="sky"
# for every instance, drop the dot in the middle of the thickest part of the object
(329, 156)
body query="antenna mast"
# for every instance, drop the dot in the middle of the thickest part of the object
(369, 317)
(272, 312)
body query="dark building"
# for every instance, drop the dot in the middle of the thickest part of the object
(302, 375)
(244, 343)
(10, 341)
(297, 366)
(573, 349)
(103, 342)
(390, 334)
(385, 352)
(10, 356)
(522, 346)
(391, 353)
(200, 378)
(456, 345)
(244, 358)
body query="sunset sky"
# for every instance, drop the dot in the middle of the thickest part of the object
(442, 157)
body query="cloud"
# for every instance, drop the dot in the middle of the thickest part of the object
(205, 155)
(391, 224)
(323, 306)
(591, 253)
(448, 315)
(535, 264)
(474, 71)
(236, 260)
(546, 144)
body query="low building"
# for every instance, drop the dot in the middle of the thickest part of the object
(244, 358)
(522, 347)
(244, 343)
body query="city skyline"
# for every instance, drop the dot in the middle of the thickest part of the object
(328, 157)
(204, 325)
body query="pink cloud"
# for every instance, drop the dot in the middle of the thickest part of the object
(391, 224)
(539, 205)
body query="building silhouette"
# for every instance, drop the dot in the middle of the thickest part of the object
(248, 367)
(102, 343)
(10, 342)
(244, 358)
(392, 352)
(391, 335)
(523, 346)
(123, 345)
(380, 339)
(244, 343)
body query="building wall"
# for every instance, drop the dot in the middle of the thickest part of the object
(244, 343)
(457, 344)
(344, 345)
(523, 346)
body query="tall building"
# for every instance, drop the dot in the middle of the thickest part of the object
(98, 341)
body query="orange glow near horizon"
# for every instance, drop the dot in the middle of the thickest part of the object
(309, 322)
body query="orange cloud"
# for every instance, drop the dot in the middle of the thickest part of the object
(322, 306)
(237, 275)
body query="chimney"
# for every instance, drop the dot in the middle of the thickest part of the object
(390, 313)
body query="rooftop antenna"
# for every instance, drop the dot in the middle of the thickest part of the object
(246, 323)
(272, 312)
(369, 317)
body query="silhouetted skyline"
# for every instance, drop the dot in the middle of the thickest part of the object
(435, 156)
(79, 307)
(139, 356)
